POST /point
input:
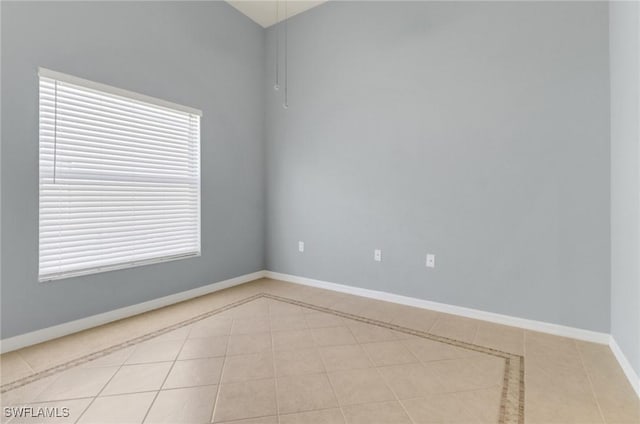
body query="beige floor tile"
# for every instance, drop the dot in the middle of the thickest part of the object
(369, 308)
(380, 310)
(545, 349)
(298, 362)
(480, 406)
(262, 420)
(250, 325)
(194, 372)
(180, 334)
(27, 393)
(251, 399)
(344, 357)
(389, 353)
(138, 378)
(243, 344)
(553, 405)
(13, 367)
(465, 374)
(120, 409)
(614, 394)
(54, 352)
(352, 304)
(211, 327)
(411, 380)
(254, 309)
(332, 336)
(558, 391)
(288, 322)
(556, 376)
(401, 335)
(325, 416)
(67, 411)
(112, 360)
(61, 350)
(277, 307)
(320, 319)
(367, 333)
(457, 328)
(186, 405)
(155, 351)
(292, 340)
(416, 319)
(429, 350)
(77, 383)
(360, 386)
(320, 297)
(500, 337)
(304, 393)
(204, 348)
(255, 366)
(376, 413)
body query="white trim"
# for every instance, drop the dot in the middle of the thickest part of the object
(59, 76)
(39, 336)
(628, 370)
(543, 327)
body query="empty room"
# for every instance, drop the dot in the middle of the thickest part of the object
(320, 212)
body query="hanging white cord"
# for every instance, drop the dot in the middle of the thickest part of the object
(286, 56)
(277, 84)
(55, 131)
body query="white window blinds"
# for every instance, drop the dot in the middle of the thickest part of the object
(119, 178)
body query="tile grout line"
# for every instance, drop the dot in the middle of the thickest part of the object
(586, 372)
(104, 386)
(377, 368)
(323, 373)
(26, 362)
(326, 373)
(273, 364)
(165, 378)
(424, 363)
(222, 368)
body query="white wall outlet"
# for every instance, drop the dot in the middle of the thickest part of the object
(377, 255)
(431, 260)
(300, 246)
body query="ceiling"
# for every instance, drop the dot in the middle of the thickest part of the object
(263, 12)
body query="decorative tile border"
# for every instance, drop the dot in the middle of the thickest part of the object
(512, 399)
(512, 402)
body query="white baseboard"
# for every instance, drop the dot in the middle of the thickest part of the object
(633, 378)
(39, 336)
(543, 327)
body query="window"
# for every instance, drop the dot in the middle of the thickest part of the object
(119, 178)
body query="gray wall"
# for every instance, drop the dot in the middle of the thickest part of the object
(475, 131)
(625, 178)
(201, 54)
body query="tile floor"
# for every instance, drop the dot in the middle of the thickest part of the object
(268, 361)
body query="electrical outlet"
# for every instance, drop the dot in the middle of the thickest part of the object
(377, 255)
(431, 260)
(300, 246)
